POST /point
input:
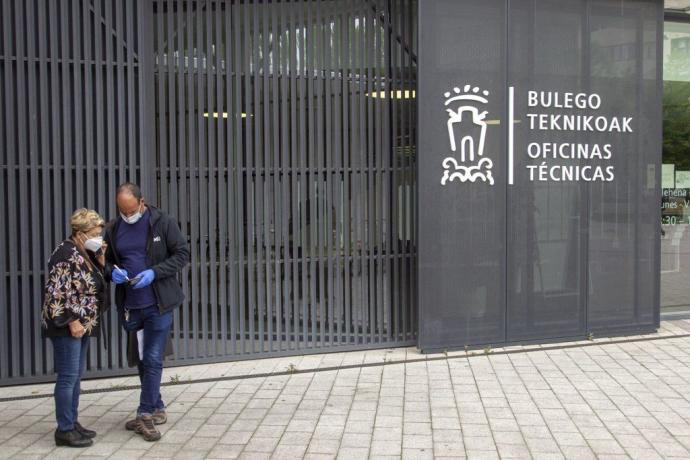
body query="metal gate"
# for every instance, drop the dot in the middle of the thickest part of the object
(280, 134)
(73, 126)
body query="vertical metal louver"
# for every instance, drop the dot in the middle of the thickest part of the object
(281, 134)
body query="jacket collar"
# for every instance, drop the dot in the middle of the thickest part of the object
(155, 214)
(86, 254)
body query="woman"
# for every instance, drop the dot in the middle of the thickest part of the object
(75, 299)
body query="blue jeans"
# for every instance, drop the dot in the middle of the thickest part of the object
(156, 328)
(70, 362)
(160, 405)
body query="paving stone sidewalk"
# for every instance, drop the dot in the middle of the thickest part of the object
(608, 398)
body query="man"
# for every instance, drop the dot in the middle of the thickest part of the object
(146, 251)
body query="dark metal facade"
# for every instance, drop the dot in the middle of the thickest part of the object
(543, 257)
(280, 134)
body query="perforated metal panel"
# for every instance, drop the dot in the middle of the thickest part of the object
(528, 258)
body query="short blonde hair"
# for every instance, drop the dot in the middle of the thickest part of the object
(83, 220)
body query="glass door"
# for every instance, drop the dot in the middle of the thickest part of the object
(675, 181)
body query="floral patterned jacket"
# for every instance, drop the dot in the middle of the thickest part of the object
(73, 290)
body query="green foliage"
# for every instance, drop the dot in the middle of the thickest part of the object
(676, 116)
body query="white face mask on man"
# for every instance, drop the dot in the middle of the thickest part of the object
(94, 244)
(134, 218)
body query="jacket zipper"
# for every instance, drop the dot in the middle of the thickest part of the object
(149, 240)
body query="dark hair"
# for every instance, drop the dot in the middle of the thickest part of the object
(129, 187)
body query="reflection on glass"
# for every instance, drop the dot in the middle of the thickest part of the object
(675, 206)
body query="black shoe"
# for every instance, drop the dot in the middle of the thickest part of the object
(71, 439)
(84, 431)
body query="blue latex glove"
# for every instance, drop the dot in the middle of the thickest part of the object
(119, 275)
(145, 278)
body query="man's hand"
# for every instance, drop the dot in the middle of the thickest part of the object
(76, 329)
(119, 276)
(145, 278)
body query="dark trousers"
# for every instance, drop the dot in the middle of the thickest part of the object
(156, 328)
(70, 362)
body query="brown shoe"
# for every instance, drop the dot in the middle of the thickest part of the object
(146, 428)
(159, 417)
(131, 425)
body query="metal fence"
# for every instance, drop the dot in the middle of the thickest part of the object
(280, 134)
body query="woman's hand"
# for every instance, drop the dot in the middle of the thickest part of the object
(76, 329)
(79, 239)
(100, 257)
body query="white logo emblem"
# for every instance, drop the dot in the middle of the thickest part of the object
(156, 239)
(472, 165)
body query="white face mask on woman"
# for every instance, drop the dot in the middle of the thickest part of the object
(94, 244)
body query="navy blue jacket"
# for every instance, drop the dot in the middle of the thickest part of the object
(167, 253)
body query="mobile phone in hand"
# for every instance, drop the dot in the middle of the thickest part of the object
(134, 281)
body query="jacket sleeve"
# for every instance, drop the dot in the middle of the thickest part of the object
(63, 289)
(78, 298)
(178, 252)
